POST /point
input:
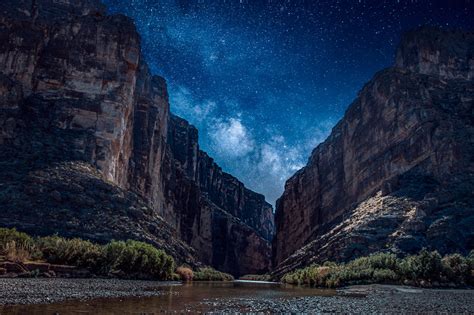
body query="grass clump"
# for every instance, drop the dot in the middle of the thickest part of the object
(125, 259)
(137, 259)
(265, 277)
(426, 268)
(210, 274)
(17, 246)
(76, 252)
(185, 273)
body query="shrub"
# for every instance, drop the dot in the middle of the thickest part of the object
(387, 268)
(185, 273)
(264, 277)
(350, 274)
(470, 259)
(384, 276)
(424, 266)
(210, 274)
(17, 246)
(175, 277)
(376, 261)
(138, 259)
(76, 252)
(456, 268)
(128, 259)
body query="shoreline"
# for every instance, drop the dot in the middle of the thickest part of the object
(114, 296)
(31, 291)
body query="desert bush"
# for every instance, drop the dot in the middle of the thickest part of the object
(185, 273)
(387, 268)
(470, 259)
(76, 252)
(14, 252)
(264, 277)
(138, 259)
(376, 261)
(424, 266)
(8, 235)
(347, 274)
(456, 268)
(175, 277)
(131, 259)
(210, 274)
(375, 268)
(384, 276)
(17, 246)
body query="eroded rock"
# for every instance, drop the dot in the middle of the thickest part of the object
(396, 173)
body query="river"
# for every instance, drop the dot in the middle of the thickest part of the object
(86, 296)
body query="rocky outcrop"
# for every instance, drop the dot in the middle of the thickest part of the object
(222, 189)
(230, 226)
(396, 173)
(75, 90)
(71, 198)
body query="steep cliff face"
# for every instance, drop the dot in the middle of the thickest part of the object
(79, 68)
(76, 96)
(82, 126)
(230, 225)
(396, 173)
(222, 189)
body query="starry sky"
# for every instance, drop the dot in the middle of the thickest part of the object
(264, 81)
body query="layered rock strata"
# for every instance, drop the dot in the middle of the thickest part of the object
(76, 93)
(396, 173)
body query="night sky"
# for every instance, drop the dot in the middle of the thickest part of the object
(265, 81)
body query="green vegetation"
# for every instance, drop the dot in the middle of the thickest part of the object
(129, 259)
(425, 269)
(124, 259)
(76, 252)
(210, 274)
(17, 246)
(265, 277)
(141, 260)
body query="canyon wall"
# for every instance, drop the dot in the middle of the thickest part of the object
(229, 224)
(78, 105)
(396, 173)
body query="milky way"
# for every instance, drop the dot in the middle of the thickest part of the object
(265, 81)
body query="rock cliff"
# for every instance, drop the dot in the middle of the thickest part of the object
(396, 173)
(230, 225)
(89, 147)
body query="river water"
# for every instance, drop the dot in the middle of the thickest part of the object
(228, 297)
(190, 297)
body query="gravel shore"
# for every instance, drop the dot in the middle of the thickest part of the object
(109, 296)
(43, 291)
(372, 299)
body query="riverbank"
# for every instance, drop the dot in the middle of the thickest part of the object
(44, 291)
(367, 299)
(112, 296)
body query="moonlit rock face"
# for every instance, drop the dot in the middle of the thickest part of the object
(396, 172)
(446, 54)
(266, 81)
(75, 88)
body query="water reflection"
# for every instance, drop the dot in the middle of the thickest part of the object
(190, 297)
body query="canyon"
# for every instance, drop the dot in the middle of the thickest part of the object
(396, 173)
(90, 149)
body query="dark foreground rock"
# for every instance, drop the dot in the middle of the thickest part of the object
(73, 199)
